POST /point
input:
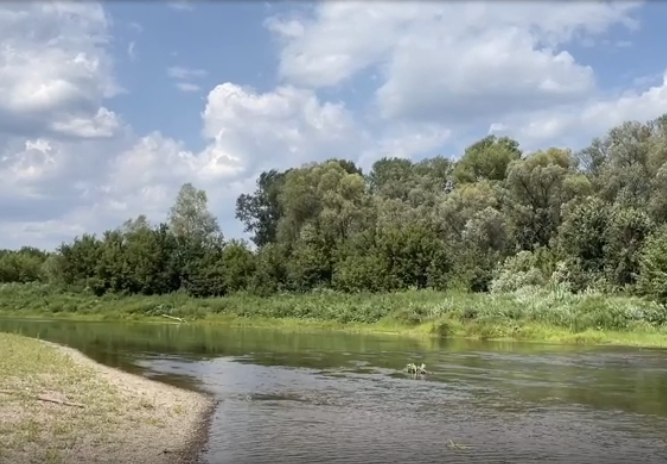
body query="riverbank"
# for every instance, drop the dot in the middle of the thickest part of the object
(57, 406)
(540, 315)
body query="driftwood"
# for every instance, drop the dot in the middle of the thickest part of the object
(44, 398)
(181, 320)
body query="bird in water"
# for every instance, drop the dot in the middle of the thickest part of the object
(413, 368)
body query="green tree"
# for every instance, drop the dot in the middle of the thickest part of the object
(539, 186)
(190, 219)
(261, 211)
(487, 159)
(652, 279)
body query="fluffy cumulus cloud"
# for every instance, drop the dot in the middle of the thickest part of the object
(289, 127)
(54, 70)
(55, 73)
(69, 164)
(569, 125)
(454, 63)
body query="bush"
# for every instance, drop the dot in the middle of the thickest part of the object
(652, 279)
(516, 272)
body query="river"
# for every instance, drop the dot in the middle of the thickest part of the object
(298, 398)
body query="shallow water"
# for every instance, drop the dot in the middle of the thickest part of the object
(340, 398)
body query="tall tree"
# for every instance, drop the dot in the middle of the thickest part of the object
(539, 186)
(487, 159)
(189, 217)
(261, 211)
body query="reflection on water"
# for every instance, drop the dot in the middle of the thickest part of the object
(340, 398)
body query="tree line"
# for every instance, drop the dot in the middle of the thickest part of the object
(497, 219)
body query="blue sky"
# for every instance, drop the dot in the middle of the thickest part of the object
(227, 41)
(107, 108)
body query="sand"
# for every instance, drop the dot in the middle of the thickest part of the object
(110, 416)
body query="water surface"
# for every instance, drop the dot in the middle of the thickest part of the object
(339, 398)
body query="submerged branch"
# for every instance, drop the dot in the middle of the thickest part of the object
(179, 319)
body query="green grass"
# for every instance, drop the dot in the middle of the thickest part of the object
(97, 416)
(530, 314)
(42, 431)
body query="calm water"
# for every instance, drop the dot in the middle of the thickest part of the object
(334, 398)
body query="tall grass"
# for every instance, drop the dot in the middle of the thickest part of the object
(486, 315)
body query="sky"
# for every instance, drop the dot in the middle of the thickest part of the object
(106, 109)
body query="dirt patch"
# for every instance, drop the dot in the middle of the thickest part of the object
(58, 407)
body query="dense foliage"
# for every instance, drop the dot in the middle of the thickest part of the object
(497, 220)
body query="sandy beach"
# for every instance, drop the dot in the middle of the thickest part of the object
(58, 406)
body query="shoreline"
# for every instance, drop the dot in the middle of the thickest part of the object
(197, 437)
(529, 315)
(522, 333)
(101, 414)
(192, 452)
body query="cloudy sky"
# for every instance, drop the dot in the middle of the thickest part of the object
(106, 109)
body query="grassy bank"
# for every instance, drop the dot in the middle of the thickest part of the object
(56, 406)
(530, 314)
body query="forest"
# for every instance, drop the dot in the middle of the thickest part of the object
(496, 220)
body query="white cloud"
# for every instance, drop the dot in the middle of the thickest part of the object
(55, 73)
(104, 123)
(54, 69)
(450, 62)
(187, 87)
(576, 124)
(183, 74)
(404, 141)
(135, 27)
(252, 131)
(180, 72)
(45, 179)
(140, 178)
(132, 51)
(181, 5)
